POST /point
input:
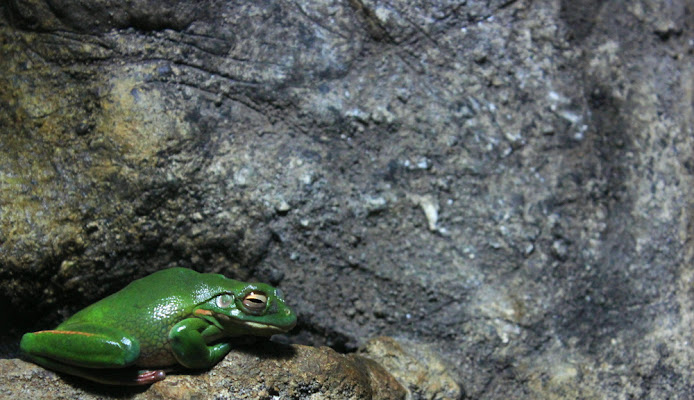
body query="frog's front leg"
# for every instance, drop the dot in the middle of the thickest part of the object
(188, 340)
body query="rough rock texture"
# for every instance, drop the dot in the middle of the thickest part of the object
(258, 373)
(416, 366)
(506, 182)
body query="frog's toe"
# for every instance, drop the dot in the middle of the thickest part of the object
(148, 377)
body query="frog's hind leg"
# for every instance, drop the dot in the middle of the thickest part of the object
(83, 345)
(92, 352)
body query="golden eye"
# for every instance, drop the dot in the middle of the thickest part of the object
(225, 300)
(255, 302)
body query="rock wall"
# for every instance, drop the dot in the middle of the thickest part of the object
(506, 182)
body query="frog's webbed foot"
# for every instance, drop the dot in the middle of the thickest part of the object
(126, 376)
(108, 376)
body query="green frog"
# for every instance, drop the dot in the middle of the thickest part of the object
(172, 317)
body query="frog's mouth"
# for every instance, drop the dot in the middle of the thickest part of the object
(258, 325)
(255, 327)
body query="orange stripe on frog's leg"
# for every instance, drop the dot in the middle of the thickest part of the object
(202, 312)
(67, 333)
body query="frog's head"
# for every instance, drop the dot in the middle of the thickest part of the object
(250, 309)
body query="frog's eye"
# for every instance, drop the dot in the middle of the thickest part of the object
(225, 300)
(255, 302)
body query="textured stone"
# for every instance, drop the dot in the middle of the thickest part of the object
(508, 182)
(261, 372)
(418, 367)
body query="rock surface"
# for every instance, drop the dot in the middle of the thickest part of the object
(417, 367)
(508, 182)
(258, 373)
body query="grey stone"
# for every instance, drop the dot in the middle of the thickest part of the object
(138, 137)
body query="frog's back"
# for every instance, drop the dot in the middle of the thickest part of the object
(149, 307)
(155, 297)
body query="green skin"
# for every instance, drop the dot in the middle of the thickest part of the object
(174, 316)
